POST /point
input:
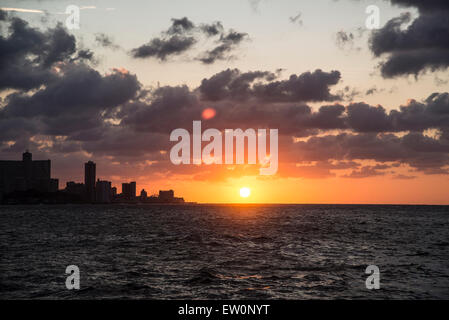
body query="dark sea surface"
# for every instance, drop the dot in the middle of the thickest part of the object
(224, 252)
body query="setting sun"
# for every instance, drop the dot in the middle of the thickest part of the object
(245, 192)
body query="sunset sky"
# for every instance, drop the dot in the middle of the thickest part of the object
(363, 115)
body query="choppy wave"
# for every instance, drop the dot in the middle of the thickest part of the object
(224, 252)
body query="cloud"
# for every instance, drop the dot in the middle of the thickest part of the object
(182, 36)
(79, 89)
(426, 155)
(28, 55)
(69, 108)
(373, 90)
(414, 46)
(362, 117)
(180, 26)
(212, 29)
(428, 5)
(105, 41)
(163, 48)
(367, 172)
(227, 43)
(56, 93)
(234, 85)
(231, 83)
(3, 15)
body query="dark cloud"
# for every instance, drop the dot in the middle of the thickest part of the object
(308, 86)
(412, 47)
(417, 116)
(163, 48)
(77, 90)
(105, 41)
(181, 37)
(232, 84)
(217, 53)
(170, 108)
(212, 29)
(232, 37)
(69, 99)
(427, 5)
(27, 54)
(180, 26)
(427, 155)
(362, 117)
(3, 15)
(174, 41)
(367, 172)
(84, 55)
(328, 118)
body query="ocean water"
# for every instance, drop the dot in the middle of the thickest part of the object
(224, 252)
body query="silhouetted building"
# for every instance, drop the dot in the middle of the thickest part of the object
(132, 186)
(126, 191)
(103, 191)
(89, 180)
(114, 192)
(166, 196)
(53, 185)
(143, 195)
(26, 175)
(129, 191)
(75, 188)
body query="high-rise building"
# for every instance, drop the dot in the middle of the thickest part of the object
(89, 180)
(129, 191)
(126, 191)
(132, 186)
(27, 174)
(103, 191)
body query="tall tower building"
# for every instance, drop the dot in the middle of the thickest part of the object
(126, 191)
(27, 159)
(132, 185)
(89, 180)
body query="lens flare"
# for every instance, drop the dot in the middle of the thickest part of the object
(208, 113)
